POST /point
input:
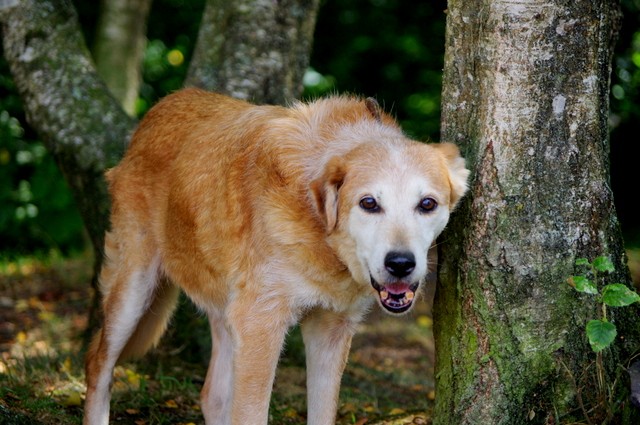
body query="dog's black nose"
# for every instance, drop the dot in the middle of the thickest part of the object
(400, 264)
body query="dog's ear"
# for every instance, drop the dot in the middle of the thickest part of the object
(374, 108)
(458, 173)
(325, 192)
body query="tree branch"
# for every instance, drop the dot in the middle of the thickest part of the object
(119, 47)
(254, 49)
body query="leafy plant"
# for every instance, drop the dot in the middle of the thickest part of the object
(600, 332)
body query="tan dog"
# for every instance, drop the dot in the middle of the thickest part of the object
(266, 216)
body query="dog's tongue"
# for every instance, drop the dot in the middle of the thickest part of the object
(396, 297)
(398, 288)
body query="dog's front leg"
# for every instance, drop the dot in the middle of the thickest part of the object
(327, 339)
(258, 331)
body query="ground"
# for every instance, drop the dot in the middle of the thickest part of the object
(43, 316)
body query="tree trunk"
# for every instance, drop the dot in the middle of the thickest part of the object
(525, 95)
(119, 48)
(65, 101)
(257, 50)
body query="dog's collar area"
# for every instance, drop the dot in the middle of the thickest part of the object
(396, 297)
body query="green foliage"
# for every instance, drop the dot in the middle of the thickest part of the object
(600, 332)
(37, 212)
(618, 295)
(388, 49)
(623, 120)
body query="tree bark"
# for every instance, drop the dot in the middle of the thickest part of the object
(65, 101)
(526, 88)
(257, 50)
(119, 48)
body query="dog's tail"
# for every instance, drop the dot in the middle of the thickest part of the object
(153, 323)
(151, 326)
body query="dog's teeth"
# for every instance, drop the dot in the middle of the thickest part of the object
(409, 295)
(384, 295)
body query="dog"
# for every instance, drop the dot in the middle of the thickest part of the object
(266, 216)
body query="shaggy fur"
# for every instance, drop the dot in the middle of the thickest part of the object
(266, 216)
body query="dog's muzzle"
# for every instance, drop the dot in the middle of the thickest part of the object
(396, 297)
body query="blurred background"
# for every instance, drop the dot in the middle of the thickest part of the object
(389, 49)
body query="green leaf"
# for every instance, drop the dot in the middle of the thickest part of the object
(582, 284)
(619, 295)
(603, 264)
(582, 262)
(601, 334)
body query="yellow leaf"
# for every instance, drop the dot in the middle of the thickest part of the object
(171, 404)
(431, 395)
(46, 316)
(133, 378)
(290, 413)
(424, 321)
(396, 411)
(21, 337)
(66, 365)
(73, 399)
(348, 408)
(21, 306)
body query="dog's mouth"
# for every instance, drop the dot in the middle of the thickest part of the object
(396, 297)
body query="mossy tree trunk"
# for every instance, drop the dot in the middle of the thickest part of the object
(526, 88)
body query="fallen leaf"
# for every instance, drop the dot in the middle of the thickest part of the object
(290, 413)
(74, 398)
(66, 365)
(171, 404)
(396, 411)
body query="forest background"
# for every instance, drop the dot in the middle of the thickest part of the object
(388, 49)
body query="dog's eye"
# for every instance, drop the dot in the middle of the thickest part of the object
(427, 205)
(369, 204)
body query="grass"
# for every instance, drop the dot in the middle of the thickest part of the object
(43, 315)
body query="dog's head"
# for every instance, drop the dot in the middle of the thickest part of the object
(383, 204)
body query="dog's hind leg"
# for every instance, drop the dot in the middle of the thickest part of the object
(327, 339)
(217, 391)
(128, 289)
